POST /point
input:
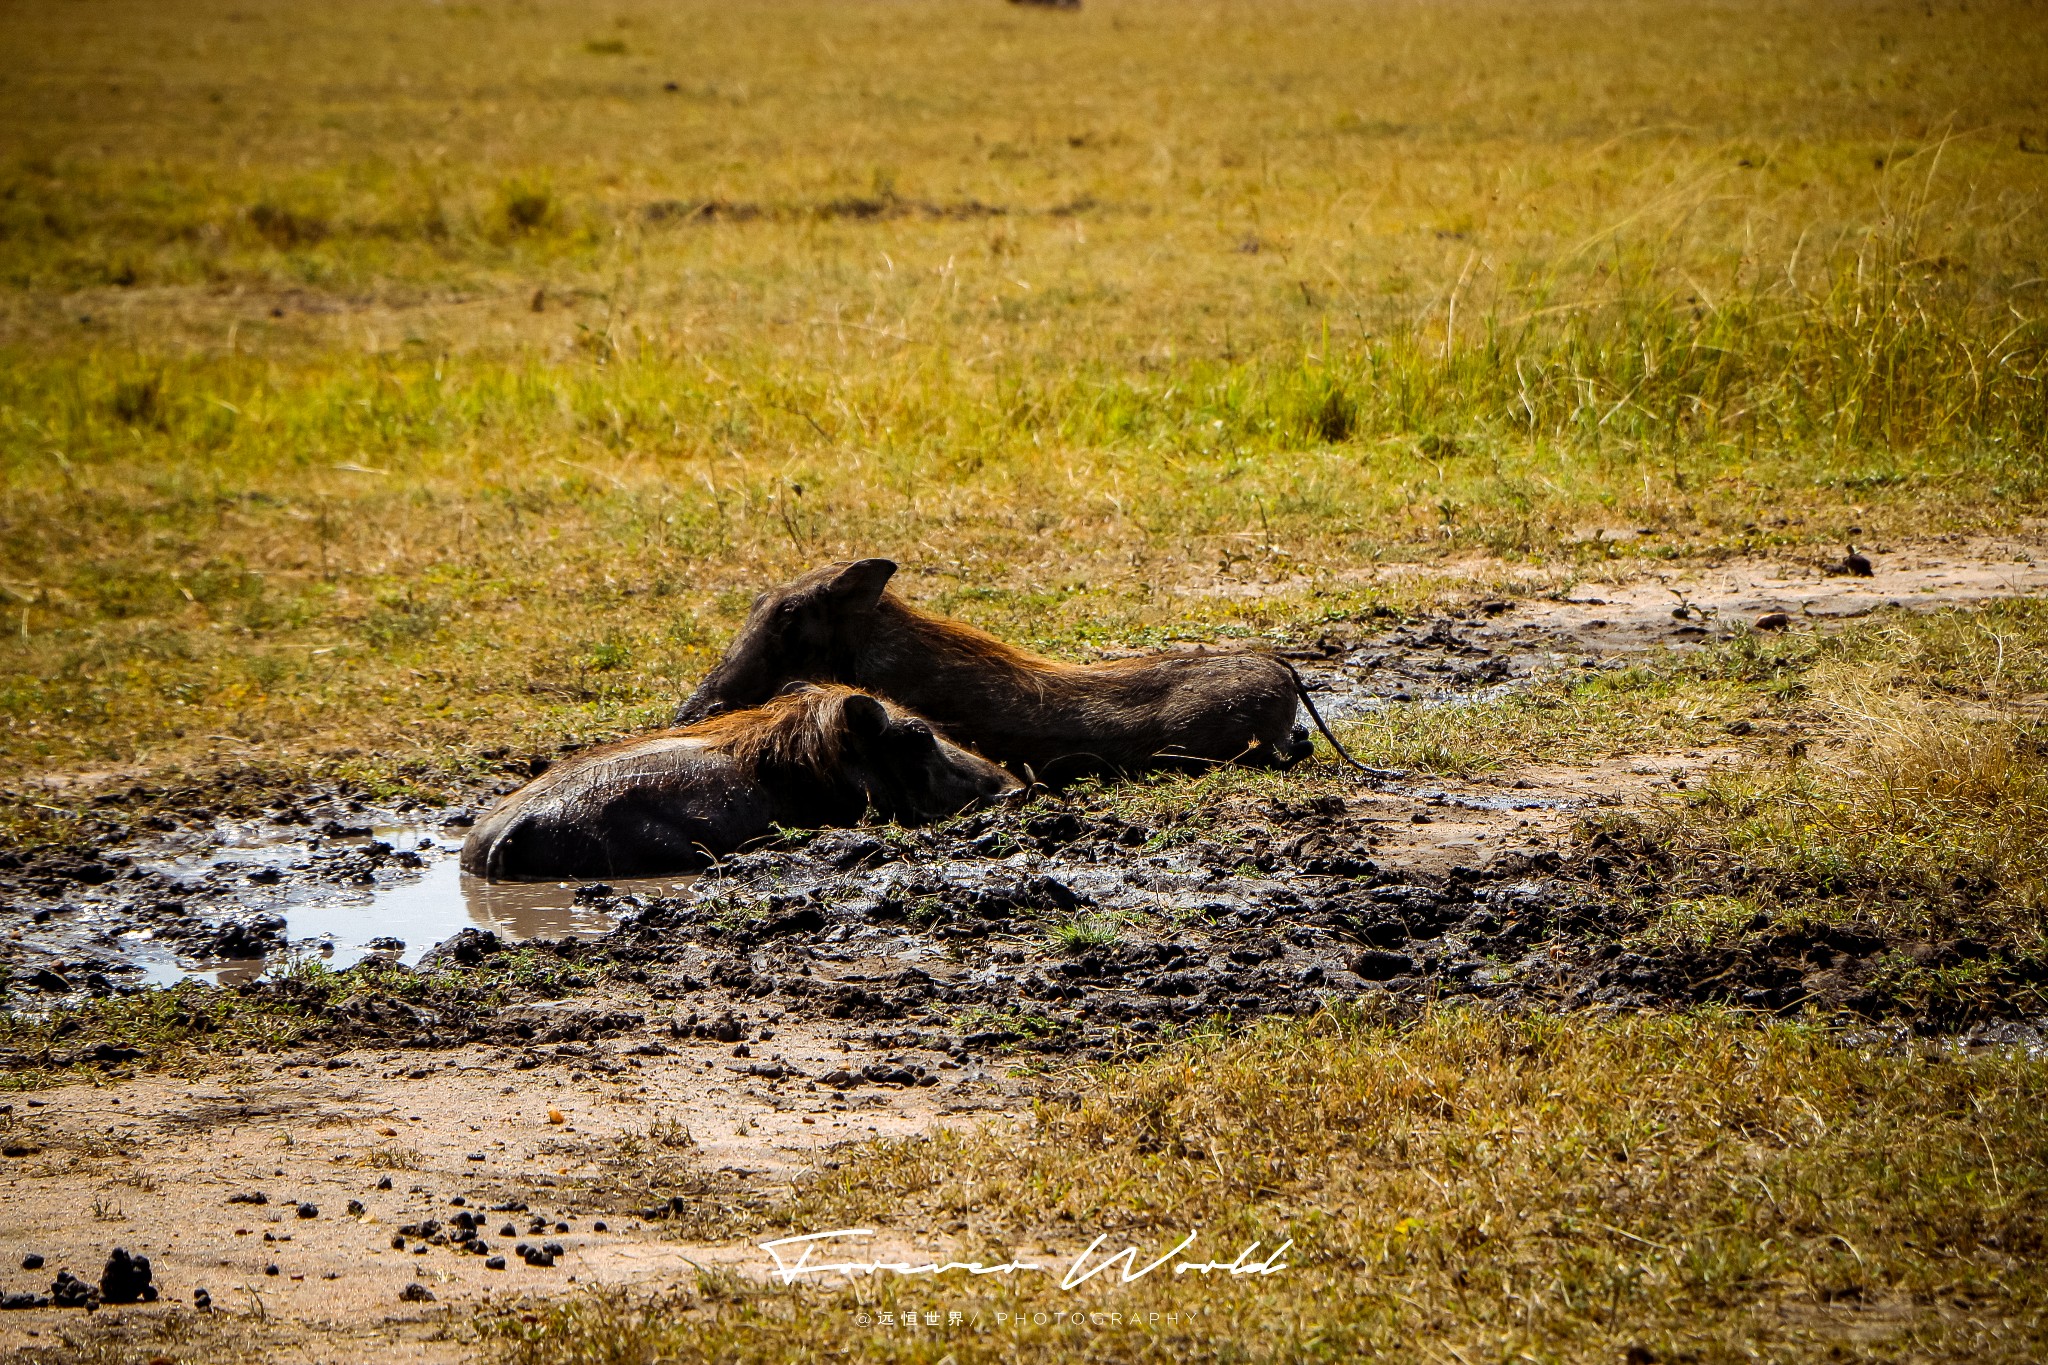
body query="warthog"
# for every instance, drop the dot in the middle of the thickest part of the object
(1053, 720)
(677, 799)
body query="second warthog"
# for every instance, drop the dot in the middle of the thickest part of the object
(840, 624)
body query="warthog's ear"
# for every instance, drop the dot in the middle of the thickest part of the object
(860, 583)
(864, 716)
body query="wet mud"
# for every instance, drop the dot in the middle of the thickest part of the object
(1061, 928)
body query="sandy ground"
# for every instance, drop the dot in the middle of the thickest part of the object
(1636, 595)
(1635, 610)
(156, 1164)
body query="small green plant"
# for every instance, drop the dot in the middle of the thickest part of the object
(670, 1132)
(1083, 932)
(1023, 1023)
(138, 402)
(286, 228)
(732, 910)
(1328, 414)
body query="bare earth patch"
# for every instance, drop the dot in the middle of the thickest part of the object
(166, 1166)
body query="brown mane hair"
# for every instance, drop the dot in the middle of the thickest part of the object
(972, 645)
(1181, 709)
(789, 731)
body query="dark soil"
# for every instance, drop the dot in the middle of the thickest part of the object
(940, 939)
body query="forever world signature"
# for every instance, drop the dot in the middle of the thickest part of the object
(806, 1255)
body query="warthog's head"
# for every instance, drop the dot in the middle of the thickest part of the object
(807, 631)
(911, 775)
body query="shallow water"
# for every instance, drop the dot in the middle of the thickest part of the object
(339, 925)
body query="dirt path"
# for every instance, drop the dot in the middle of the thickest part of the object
(350, 1149)
(884, 987)
(1635, 611)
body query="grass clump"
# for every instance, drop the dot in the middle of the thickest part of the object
(1912, 786)
(1685, 1188)
(151, 1029)
(1018, 1023)
(194, 1022)
(1083, 932)
(1897, 792)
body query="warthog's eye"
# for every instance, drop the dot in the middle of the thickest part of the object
(917, 732)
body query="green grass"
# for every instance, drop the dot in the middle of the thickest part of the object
(1023, 1023)
(190, 1023)
(388, 419)
(1905, 797)
(1472, 1188)
(1909, 773)
(193, 1026)
(1083, 932)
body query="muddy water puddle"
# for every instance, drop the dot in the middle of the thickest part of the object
(404, 910)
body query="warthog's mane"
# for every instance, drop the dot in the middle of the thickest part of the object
(798, 730)
(956, 641)
(989, 666)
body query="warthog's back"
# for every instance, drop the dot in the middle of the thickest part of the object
(643, 807)
(839, 624)
(1129, 714)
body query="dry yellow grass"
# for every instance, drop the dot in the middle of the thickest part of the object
(1700, 1190)
(1913, 795)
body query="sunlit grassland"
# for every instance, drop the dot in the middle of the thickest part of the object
(1893, 777)
(411, 380)
(1815, 702)
(388, 385)
(1909, 805)
(1694, 1189)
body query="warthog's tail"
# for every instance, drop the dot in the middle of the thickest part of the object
(1301, 692)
